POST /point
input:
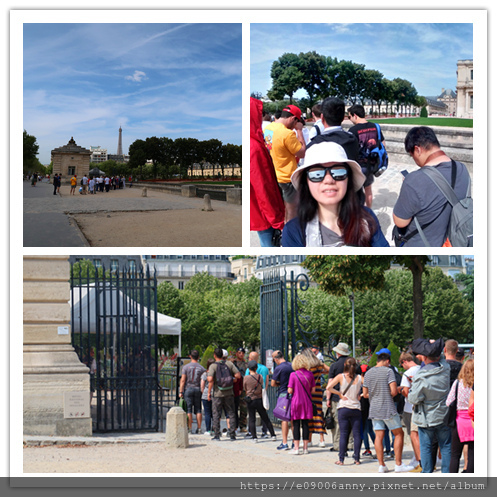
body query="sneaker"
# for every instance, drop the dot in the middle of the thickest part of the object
(305, 452)
(216, 439)
(207, 433)
(248, 435)
(233, 437)
(273, 438)
(367, 453)
(265, 435)
(295, 452)
(417, 469)
(383, 469)
(402, 468)
(255, 440)
(283, 446)
(321, 444)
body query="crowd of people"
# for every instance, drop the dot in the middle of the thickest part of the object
(93, 184)
(314, 187)
(363, 403)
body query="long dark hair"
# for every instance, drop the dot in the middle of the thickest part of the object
(356, 224)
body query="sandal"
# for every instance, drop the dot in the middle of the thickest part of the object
(339, 463)
(357, 462)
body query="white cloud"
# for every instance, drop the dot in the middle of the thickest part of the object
(137, 77)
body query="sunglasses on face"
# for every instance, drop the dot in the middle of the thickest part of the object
(317, 174)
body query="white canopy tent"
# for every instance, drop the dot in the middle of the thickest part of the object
(84, 304)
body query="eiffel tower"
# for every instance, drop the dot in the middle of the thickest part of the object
(120, 143)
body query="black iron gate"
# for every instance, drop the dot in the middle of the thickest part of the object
(114, 332)
(284, 324)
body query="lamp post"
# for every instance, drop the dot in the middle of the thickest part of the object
(351, 298)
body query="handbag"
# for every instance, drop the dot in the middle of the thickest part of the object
(329, 420)
(282, 410)
(451, 414)
(314, 408)
(182, 404)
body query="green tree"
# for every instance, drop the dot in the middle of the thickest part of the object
(170, 303)
(468, 283)
(30, 162)
(287, 77)
(312, 66)
(341, 275)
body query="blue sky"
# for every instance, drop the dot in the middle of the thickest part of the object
(175, 80)
(424, 54)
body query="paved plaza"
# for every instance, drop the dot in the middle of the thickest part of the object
(125, 218)
(149, 453)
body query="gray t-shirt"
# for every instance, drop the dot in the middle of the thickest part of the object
(420, 197)
(377, 380)
(330, 238)
(193, 372)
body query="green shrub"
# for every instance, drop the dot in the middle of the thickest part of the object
(424, 112)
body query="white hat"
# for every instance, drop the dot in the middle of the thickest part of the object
(342, 349)
(323, 152)
(225, 353)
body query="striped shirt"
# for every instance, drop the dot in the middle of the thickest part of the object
(377, 380)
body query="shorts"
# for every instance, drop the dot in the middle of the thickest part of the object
(392, 423)
(193, 397)
(288, 192)
(369, 180)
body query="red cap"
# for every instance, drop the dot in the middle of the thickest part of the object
(293, 109)
(364, 367)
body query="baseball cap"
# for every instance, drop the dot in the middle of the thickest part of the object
(225, 353)
(294, 110)
(241, 349)
(383, 351)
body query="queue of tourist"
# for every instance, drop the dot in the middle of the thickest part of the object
(313, 188)
(431, 401)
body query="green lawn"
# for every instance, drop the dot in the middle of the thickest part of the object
(428, 121)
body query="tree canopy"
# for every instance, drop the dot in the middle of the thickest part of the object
(323, 76)
(175, 157)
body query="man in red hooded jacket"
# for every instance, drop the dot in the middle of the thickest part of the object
(267, 210)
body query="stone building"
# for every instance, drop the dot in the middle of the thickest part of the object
(465, 89)
(449, 98)
(71, 159)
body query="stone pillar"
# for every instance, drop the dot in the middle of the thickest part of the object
(234, 196)
(56, 385)
(176, 428)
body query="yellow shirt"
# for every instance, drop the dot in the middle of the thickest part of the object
(73, 181)
(282, 144)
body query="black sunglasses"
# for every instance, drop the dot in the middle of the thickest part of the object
(317, 173)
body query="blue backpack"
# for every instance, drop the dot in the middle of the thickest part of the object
(376, 159)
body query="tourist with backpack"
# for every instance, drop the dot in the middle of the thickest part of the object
(253, 385)
(373, 157)
(221, 376)
(434, 208)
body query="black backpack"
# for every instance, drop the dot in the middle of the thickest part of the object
(347, 140)
(399, 400)
(224, 378)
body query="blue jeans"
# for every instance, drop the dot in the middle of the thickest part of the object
(349, 420)
(427, 438)
(266, 237)
(207, 414)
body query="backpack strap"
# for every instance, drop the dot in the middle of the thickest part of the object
(318, 130)
(442, 184)
(378, 130)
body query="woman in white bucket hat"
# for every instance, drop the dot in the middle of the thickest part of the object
(331, 210)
